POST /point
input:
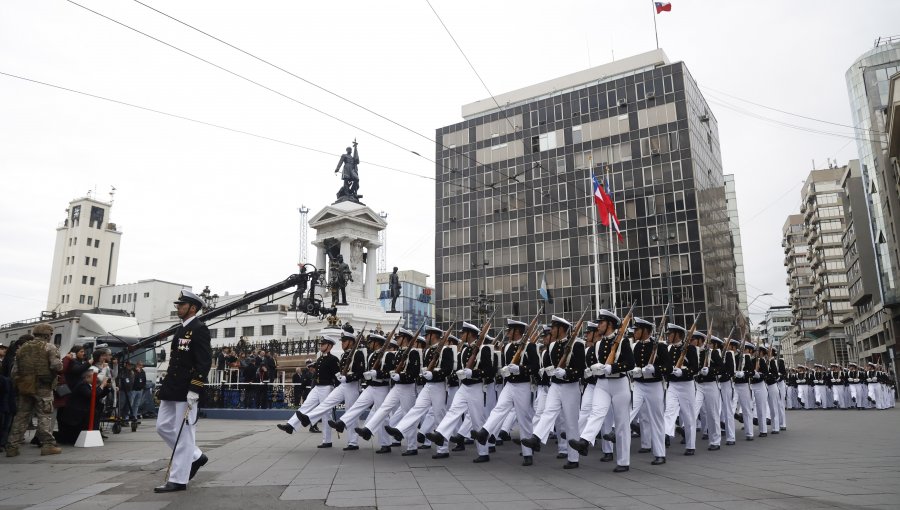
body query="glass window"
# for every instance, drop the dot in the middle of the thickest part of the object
(247, 331)
(229, 332)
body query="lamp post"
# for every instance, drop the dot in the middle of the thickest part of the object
(482, 305)
(209, 299)
(669, 237)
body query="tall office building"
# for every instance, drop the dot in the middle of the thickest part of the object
(875, 325)
(515, 210)
(85, 257)
(800, 288)
(734, 227)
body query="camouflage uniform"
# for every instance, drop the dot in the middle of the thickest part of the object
(30, 360)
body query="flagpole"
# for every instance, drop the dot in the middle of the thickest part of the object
(596, 243)
(655, 33)
(612, 253)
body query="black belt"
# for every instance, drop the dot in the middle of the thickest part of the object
(471, 382)
(613, 376)
(650, 380)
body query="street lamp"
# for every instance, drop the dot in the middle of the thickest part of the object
(482, 305)
(670, 237)
(209, 299)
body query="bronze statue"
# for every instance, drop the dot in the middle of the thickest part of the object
(340, 276)
(350, 175)
(394, 287)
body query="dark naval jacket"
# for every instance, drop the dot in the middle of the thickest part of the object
(190, 359)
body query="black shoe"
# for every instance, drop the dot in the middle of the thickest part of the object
(610, 436)
(498, 442)
(337, 425)
(458, 439)
(492, 449)
(314, 429)
(562, 435)
(285, 427)
(504, 436)
(580, 445)
(435, 438)
(170, 487)
(383, 449)
(468, 441)
(729, 443)
(532, 442)
(562, 455)
(635, 429)
(668, 441)
(689, 452)
(607, 457)
(409, 453)
(763, 434)
(721, 425)
(481, 458)
(197, 464)
(458, 448)
(658, 460)
(482, 436)
(739, 417)
(420, 437)
(749, 438)
(774, 432)
(768, 421)
(324, 445)
(440, 455)
(351, 448)
(705, 437)
(571, 465)
(396, 444)
(364, 433)
(680, 430)
(620, 469)
(424, 446)
(644, 450)
(395, 433)
(783, 428)
(527, 460)
(714, 447)
(304, 420)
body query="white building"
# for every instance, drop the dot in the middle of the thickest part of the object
(148, 301)
(776, 325)
(85, 258)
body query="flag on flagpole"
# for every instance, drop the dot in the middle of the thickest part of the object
(544, 291)
(610, 207)
(602, 212)
(663, 6)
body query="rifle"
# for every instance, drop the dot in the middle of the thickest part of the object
(440, 349)
(659, 330)
(706, 344)
(402, 363)
(611, 357)
(756, 353)
(573, 333)
(726, 343)
(359, 338)
(484, 329)
(387, 341)
(686, 341)
(526, 339)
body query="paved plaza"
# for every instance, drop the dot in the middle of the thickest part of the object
(826, 459)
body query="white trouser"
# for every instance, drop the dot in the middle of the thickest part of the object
(809, 396)
(490, 397)
(709, 404)
(680, 399)
(511, 417)
(540, 402)
(875, 394)
(347, 393)
(401, 397)
(372, 397)
(819, 392)
(468, 399)
(745, 401)
(587, 400)
(648, 403)
(761, 402)
(428, 422)
(772, 394)
(726, 390)
(839, 396)
(792, 398)
(316, 396)
(611, 395)
(562, 399)
(168, 423)
(515, 398)
(782, 398)
(432, 396)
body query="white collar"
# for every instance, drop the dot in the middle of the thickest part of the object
(185, 323)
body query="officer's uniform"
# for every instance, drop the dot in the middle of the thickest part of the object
(726, 386)
(709, 400)
(378, 377)
(37, 362)
(190, 359)
(327, 369)
(648, 401)
(857, 390)
(542, 382)
(681, 395)
(743, 371)
(758, 369)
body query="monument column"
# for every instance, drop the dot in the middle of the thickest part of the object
(371, 271)
(345, 248)
(320, 256)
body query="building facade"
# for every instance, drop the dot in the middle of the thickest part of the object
(416, 301)
(734, 227)
(86, 256)
(776, 325)
(875, 323)
(514, 208)
(800, 288)
(149, 301)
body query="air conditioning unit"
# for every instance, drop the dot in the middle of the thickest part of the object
(651, 94)
(622, 102)
(654, 152)
(704, 118)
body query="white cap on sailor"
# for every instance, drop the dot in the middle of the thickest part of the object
(453, 339)
(749, 345)
(545, 330)
(488, 339)
(404, 331)
(735, 341)
(346, 335)
(699, 334)
(643, 323)
(190, 298)
(394, 342)
(670, 327)
(606, 315)
(510, 323)
(377, 337)
(590, 326)
(421, 339)
(559, 320)
(716, 340)
(470, 327)
(331, 337)
(434, 330)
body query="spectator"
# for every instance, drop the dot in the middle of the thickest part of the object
(126, 389)
(75, 367)
(75, 416)
(2, 352)
(297, 379)
(8, 389)
(271, 365)
(137, 390)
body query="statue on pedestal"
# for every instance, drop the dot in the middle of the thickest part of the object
(350, 175)
(394, 287)
(340, 275)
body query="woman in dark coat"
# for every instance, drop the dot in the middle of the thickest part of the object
(74, 417)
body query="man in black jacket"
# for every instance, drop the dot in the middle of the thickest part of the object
(190, 359)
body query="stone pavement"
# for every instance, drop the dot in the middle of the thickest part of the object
(826, 459)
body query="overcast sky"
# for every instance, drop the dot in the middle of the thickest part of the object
(204, 206)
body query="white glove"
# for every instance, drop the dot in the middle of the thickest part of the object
(649, 370)
(756, 375)
(597, 368)
(739, 374)
(370, 375)
(637, 373)
(464, 373)
(676, 372)
(588, 372)
(504, 372)
(428, 375)
(342, 378)
(704, 371)
(395, 377)
(559, 373)
(606, 369)
(513, 369)
(192, 398)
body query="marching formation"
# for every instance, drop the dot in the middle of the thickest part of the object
(591, 385)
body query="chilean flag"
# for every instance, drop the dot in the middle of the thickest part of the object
(605, 206)
(663, 6)
(602, 211)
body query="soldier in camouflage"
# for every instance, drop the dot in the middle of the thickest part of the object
(35, 372)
